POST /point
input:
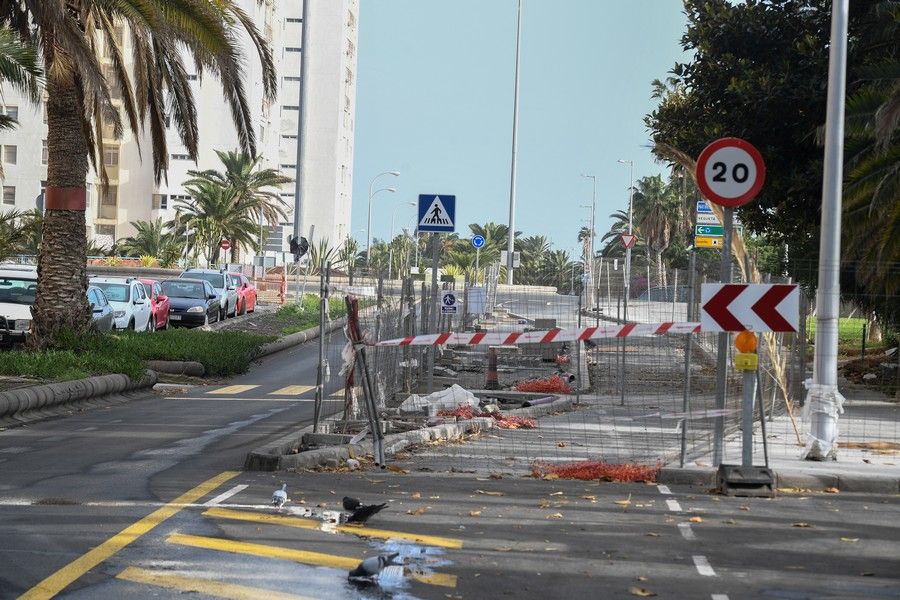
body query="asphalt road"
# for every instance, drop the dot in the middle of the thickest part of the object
(146, 500)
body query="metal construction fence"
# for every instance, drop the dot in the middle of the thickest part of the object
(641, 390)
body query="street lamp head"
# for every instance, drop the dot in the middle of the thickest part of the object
(394, 173)
(391, 189)
(624, 162)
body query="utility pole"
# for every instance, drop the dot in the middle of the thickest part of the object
(510, 244)
(302, 139)
(824, 398)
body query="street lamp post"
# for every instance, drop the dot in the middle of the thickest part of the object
(371, 195)
(391, 240)
(510, 243)
(630, 164)
(590, 280)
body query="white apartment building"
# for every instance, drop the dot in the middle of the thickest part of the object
(133, 195)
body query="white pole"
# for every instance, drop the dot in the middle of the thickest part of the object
(511, 236)
(824, 400)
(369, 221)
(302, 138)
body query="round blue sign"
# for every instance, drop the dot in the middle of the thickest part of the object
(478, 241)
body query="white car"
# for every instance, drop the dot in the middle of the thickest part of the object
(18, 286)
(131, 307)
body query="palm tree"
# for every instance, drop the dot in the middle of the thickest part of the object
(153, 84)
(534, 251)
(152, 238)
(658, 210)
(214, 213)
(253, 187)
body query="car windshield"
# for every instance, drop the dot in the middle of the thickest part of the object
(214, 278)
(17, 291)
(183, 289)
(115, 292)
(235, 280)
(149, 289)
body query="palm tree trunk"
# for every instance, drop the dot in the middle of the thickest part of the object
(61, 302)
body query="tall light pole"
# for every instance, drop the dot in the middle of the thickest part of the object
(589, 282)
(371, 195)
(511, 236)
(824, 398)
(302, 114)
(630, 164)
(391, 240)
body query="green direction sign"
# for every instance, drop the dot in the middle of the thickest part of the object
(709, 230)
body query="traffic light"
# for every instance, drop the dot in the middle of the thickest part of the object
(299, 247)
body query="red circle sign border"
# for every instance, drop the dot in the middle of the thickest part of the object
(225, 245)
(734, 143)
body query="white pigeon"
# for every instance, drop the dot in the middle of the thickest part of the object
(279, 497)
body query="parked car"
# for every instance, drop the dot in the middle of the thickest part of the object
(246, 292)
(221, 282)
(128, 299)
(193, 302)
(103, 317)
(18, 286)
(159, 304)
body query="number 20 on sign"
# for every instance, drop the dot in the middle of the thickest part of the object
(730, 172)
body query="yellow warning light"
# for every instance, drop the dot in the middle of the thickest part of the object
(745, 342)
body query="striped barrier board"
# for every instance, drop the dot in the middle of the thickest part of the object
(543, 337)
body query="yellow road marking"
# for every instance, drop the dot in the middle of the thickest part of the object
(202, 586)
(233, 389)
(301, 523)
(306, 557)
(239, 399)
(293, 390)
(59, 580)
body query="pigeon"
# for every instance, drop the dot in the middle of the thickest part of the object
(364, 511)
(279, 497)
(373, 565)
(351, 504)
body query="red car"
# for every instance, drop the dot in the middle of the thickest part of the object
(246, 293)
(159, 304)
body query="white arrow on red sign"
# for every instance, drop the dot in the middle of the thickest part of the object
(756, 307)
(628, 240)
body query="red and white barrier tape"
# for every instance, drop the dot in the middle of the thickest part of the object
(543, 337)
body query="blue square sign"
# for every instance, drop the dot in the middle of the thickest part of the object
(437, 213)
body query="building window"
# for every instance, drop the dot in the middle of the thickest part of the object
(288, 166)
(294, 20)
(110, 196)
(10, 154)
(289, 136)
(351, 49)
(111, 157)
(109, 230)
(160, 202)
(45, 152)
(351, 20)
(192, 78)
(181, 157)
(292, 49)
(12, 112)
(291, 78)
(9, 194)
(291, 107)
(179, 198)
(88, 188)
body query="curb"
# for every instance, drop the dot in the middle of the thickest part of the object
(20, 404)
(295, 339)
(177, 367)
(788, 478)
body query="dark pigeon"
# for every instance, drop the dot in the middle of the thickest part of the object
(373, 565)
(351, 504)
(362, 513)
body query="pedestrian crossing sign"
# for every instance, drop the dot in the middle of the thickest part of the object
(437, 213)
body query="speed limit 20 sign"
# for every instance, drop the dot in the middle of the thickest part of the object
(730, 172)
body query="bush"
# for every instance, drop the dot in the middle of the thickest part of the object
(302, 316)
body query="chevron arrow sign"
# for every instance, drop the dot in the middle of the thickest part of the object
(756, 307)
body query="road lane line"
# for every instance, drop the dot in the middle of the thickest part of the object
(58, 581)
(293, 390)
(241, 515)
(664, 489)
(307, 557)
(703, 566)
(202, 586)
(226, 495)
(686, 531)
(236, 398)
(673, 505)
(233, 389)
(720, 597)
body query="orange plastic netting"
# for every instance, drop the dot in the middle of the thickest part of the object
(589, 470)
(464, 411)
(552, 384)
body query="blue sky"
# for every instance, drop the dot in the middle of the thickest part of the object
(435, 102)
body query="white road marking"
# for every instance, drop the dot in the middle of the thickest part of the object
(664, 489)
(87, 429)
(237, 398)
(226, 495)
(686, 531)
(720, 597)
(703, 566)
(673, 505)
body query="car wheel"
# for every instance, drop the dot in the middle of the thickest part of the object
(151, 324)
(253, 307)
(223, 312)
(206, 320)
(243, 310)
(130, 325)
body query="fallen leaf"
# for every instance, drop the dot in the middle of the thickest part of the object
(696, 519)
(396, 469)
(849, 540)
(729, 521)
(555, 516)
(474, 513)
(561, 445)
(496, 476)
(744, 507)
(642, 578)
(831, 490)
(550, 477)
(800, 524)
(544, 504)
(591, 498)
(489, 493)
(624, 502)
(639, 591)
(416, 495)
(556, 494)
(419, 511)
(651, 534)
(503, 549)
